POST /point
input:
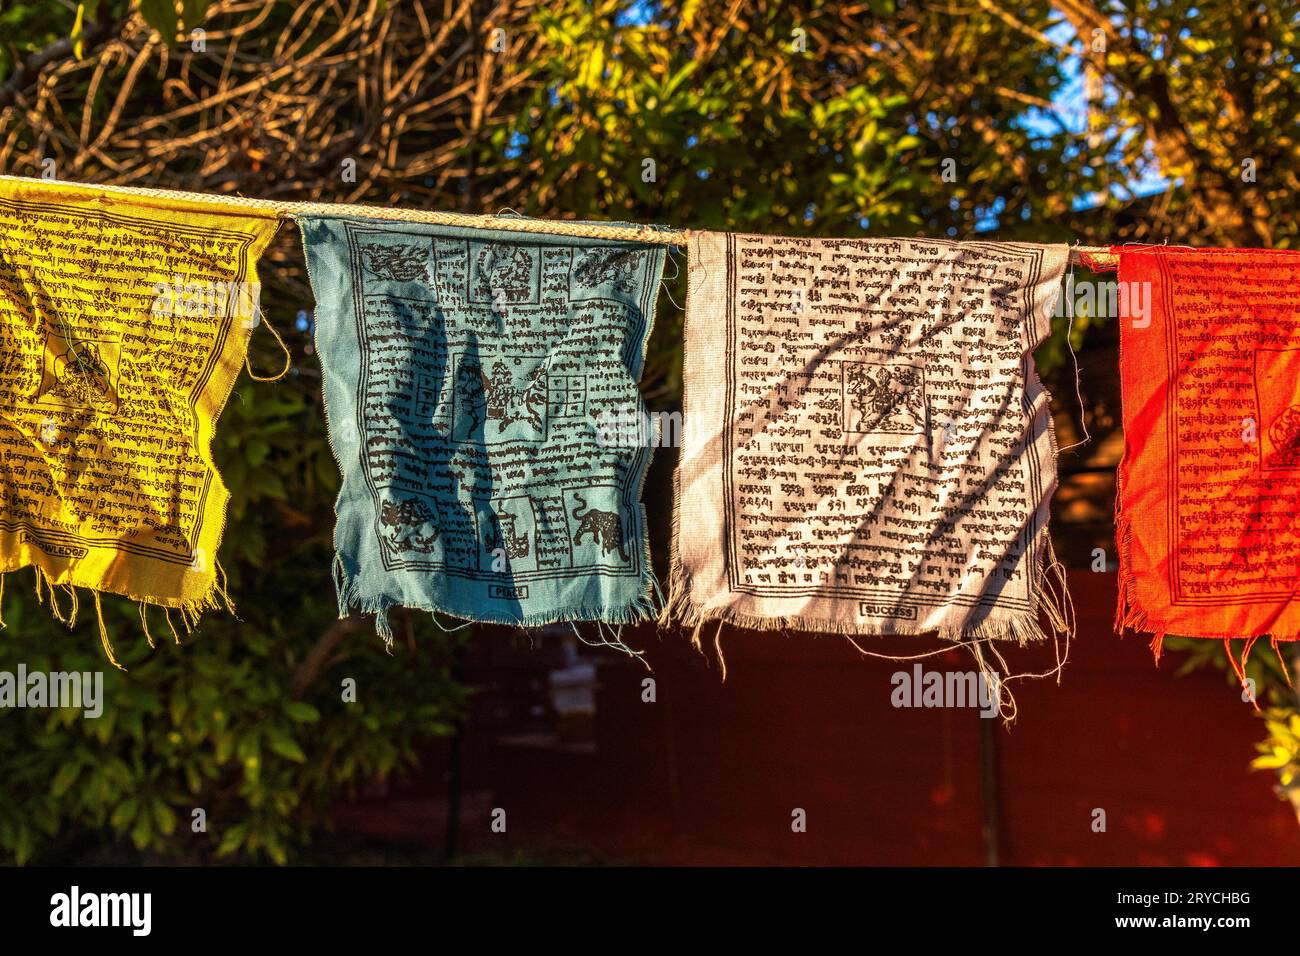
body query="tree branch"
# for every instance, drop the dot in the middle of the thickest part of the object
(30, 67)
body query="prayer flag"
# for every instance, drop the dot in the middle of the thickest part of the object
(124, 320)
(480, 384)
(867, 447)
(1209, 484)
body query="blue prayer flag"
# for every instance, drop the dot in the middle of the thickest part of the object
(482, 403)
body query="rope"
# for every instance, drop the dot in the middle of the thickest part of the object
(657, 235)
(288, 359)
(293, 209)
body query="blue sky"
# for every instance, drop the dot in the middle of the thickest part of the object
(1069, 111)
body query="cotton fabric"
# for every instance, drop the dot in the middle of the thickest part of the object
(867, 448)
(469, 375)
(1209, 485)
(123, 324)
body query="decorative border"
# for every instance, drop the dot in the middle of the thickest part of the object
(1029, 545)
(632, 358)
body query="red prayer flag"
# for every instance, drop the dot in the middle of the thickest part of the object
(1208, 509)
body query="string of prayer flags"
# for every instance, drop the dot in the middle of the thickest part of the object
(1209, 484)
(124, 320)
(867, 449)
(479, 386)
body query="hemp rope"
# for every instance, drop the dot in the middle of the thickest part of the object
(293, 208)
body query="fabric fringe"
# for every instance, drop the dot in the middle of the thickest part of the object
(717, 649)
(1129, 613)
(451, 630)
(1022, 630)
(1286, 671)
(1239, 667)
(103, 633)
(1007, 707)
(222, 585)
(1051, 598)
(144, 624)
(167, 613)
(191, 612)
(1052, 603)
(613, 642)
(647, 607)
(1131, 616)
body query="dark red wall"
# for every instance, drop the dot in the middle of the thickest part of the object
(711, 772)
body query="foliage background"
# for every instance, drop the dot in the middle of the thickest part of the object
(1095, 120)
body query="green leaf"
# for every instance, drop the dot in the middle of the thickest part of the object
(164, 817)
(256, 451)
(24, 845)
(65, 778)
(193, 12)
(232, 841)
(124, 813)
(302, 712)
(161, 15)
(284, 745)
(276, 850)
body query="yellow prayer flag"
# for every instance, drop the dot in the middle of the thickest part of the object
(124, 320)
